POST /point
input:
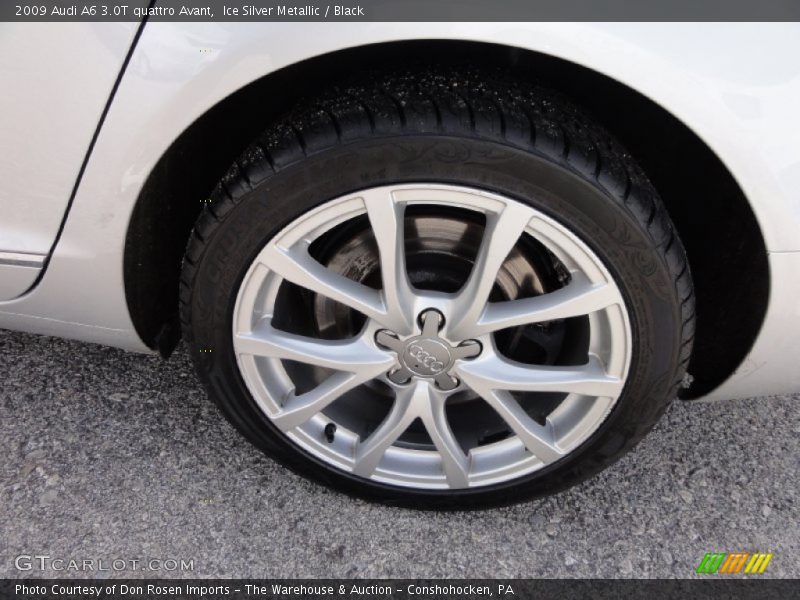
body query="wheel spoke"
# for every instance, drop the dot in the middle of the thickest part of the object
(538, 439)
(354, 355)
(417, 401)
(454, 462)
(501, 234)
(371, 450)
(387, 220)
(299, 409)
(578, 297)
(498, 373)
(299, 267)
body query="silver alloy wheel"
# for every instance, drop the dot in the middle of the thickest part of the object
(428, 346)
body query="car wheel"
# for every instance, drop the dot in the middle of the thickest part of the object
(438, 291)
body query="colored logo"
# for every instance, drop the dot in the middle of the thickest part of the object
(736, 562)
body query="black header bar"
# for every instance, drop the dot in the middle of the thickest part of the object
(356, 11)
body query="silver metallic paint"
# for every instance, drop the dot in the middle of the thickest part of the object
(56, 79)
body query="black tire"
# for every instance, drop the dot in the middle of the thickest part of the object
(473, 129)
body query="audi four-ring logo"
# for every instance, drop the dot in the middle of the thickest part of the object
(427, 359)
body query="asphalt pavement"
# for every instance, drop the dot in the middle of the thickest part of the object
(117, 456)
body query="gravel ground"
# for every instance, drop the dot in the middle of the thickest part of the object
(110, 455)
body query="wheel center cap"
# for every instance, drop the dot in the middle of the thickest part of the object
(426, 357)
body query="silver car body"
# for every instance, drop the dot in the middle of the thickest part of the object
(65, 278)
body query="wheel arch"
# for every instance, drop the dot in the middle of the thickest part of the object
(708, 207)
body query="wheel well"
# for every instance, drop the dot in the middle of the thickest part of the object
(704, 201)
